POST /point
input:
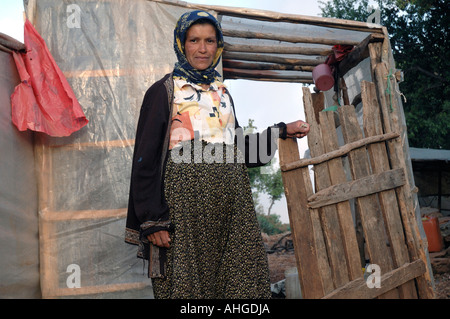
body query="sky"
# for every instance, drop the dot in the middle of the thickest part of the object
(264, 102)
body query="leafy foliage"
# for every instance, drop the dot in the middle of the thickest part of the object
(271, 224)
(419, 35)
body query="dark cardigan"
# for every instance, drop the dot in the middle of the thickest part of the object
(147, 208)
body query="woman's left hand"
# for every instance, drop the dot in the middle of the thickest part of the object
(297, 129)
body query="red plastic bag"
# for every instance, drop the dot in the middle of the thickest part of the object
(44, 100)
(339, 53)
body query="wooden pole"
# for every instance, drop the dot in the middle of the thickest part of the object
(264, 74)
(232, 64)
(272, 59)
(276, 49)
(286, 38)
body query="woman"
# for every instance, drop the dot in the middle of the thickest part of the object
(190, 208)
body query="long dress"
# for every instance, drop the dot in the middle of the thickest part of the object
(216, 247)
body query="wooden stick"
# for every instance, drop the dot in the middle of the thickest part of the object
(286, 38)
(276, 49)
(282, 80)
(358, 289)
(101, 289)
(272, 59)
(49, 216)
(264, 66)
(343, 150)
(362, 187)
(264, 74)
(99, 144)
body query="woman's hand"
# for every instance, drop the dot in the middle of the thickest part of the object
(160, 238)
(297, 129)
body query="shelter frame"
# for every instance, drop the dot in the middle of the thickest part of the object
(257, 47)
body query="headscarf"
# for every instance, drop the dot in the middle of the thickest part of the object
(182, 68)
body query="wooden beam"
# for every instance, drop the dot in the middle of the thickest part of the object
(48, 216)
(264, 74)
(91, 290)
(99, 144)
(286, 38)
(232, 64)
(361, 187)
(341, 151)
(272, 59)
(358, 288)
(277, 79)
(276, 49)
(307, 246)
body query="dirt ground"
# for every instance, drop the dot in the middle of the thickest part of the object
(283, 258)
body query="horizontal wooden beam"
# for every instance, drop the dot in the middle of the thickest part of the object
(264, 66)
(286, 37)
(91, 290)
(99, 144)
(272, 59)
(268, 74)
(277, 79)
(54, 216)
(361, 187)
(276, 49)
(341, 151)
(358, 289)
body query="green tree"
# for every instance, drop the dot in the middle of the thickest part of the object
(271, 224)
(419, 35)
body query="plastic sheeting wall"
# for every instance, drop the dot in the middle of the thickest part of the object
(110, 52)
(19, 244)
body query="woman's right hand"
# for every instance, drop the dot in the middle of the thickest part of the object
(160, 238)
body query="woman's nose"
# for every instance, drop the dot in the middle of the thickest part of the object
(202, 46)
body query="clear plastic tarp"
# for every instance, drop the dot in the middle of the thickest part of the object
(110, 53)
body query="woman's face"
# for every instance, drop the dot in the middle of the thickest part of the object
(201, 46)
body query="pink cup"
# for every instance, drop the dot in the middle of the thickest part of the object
(322, 76)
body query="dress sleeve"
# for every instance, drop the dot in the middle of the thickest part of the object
(147, 205)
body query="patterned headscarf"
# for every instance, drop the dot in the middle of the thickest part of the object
(182, 67)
